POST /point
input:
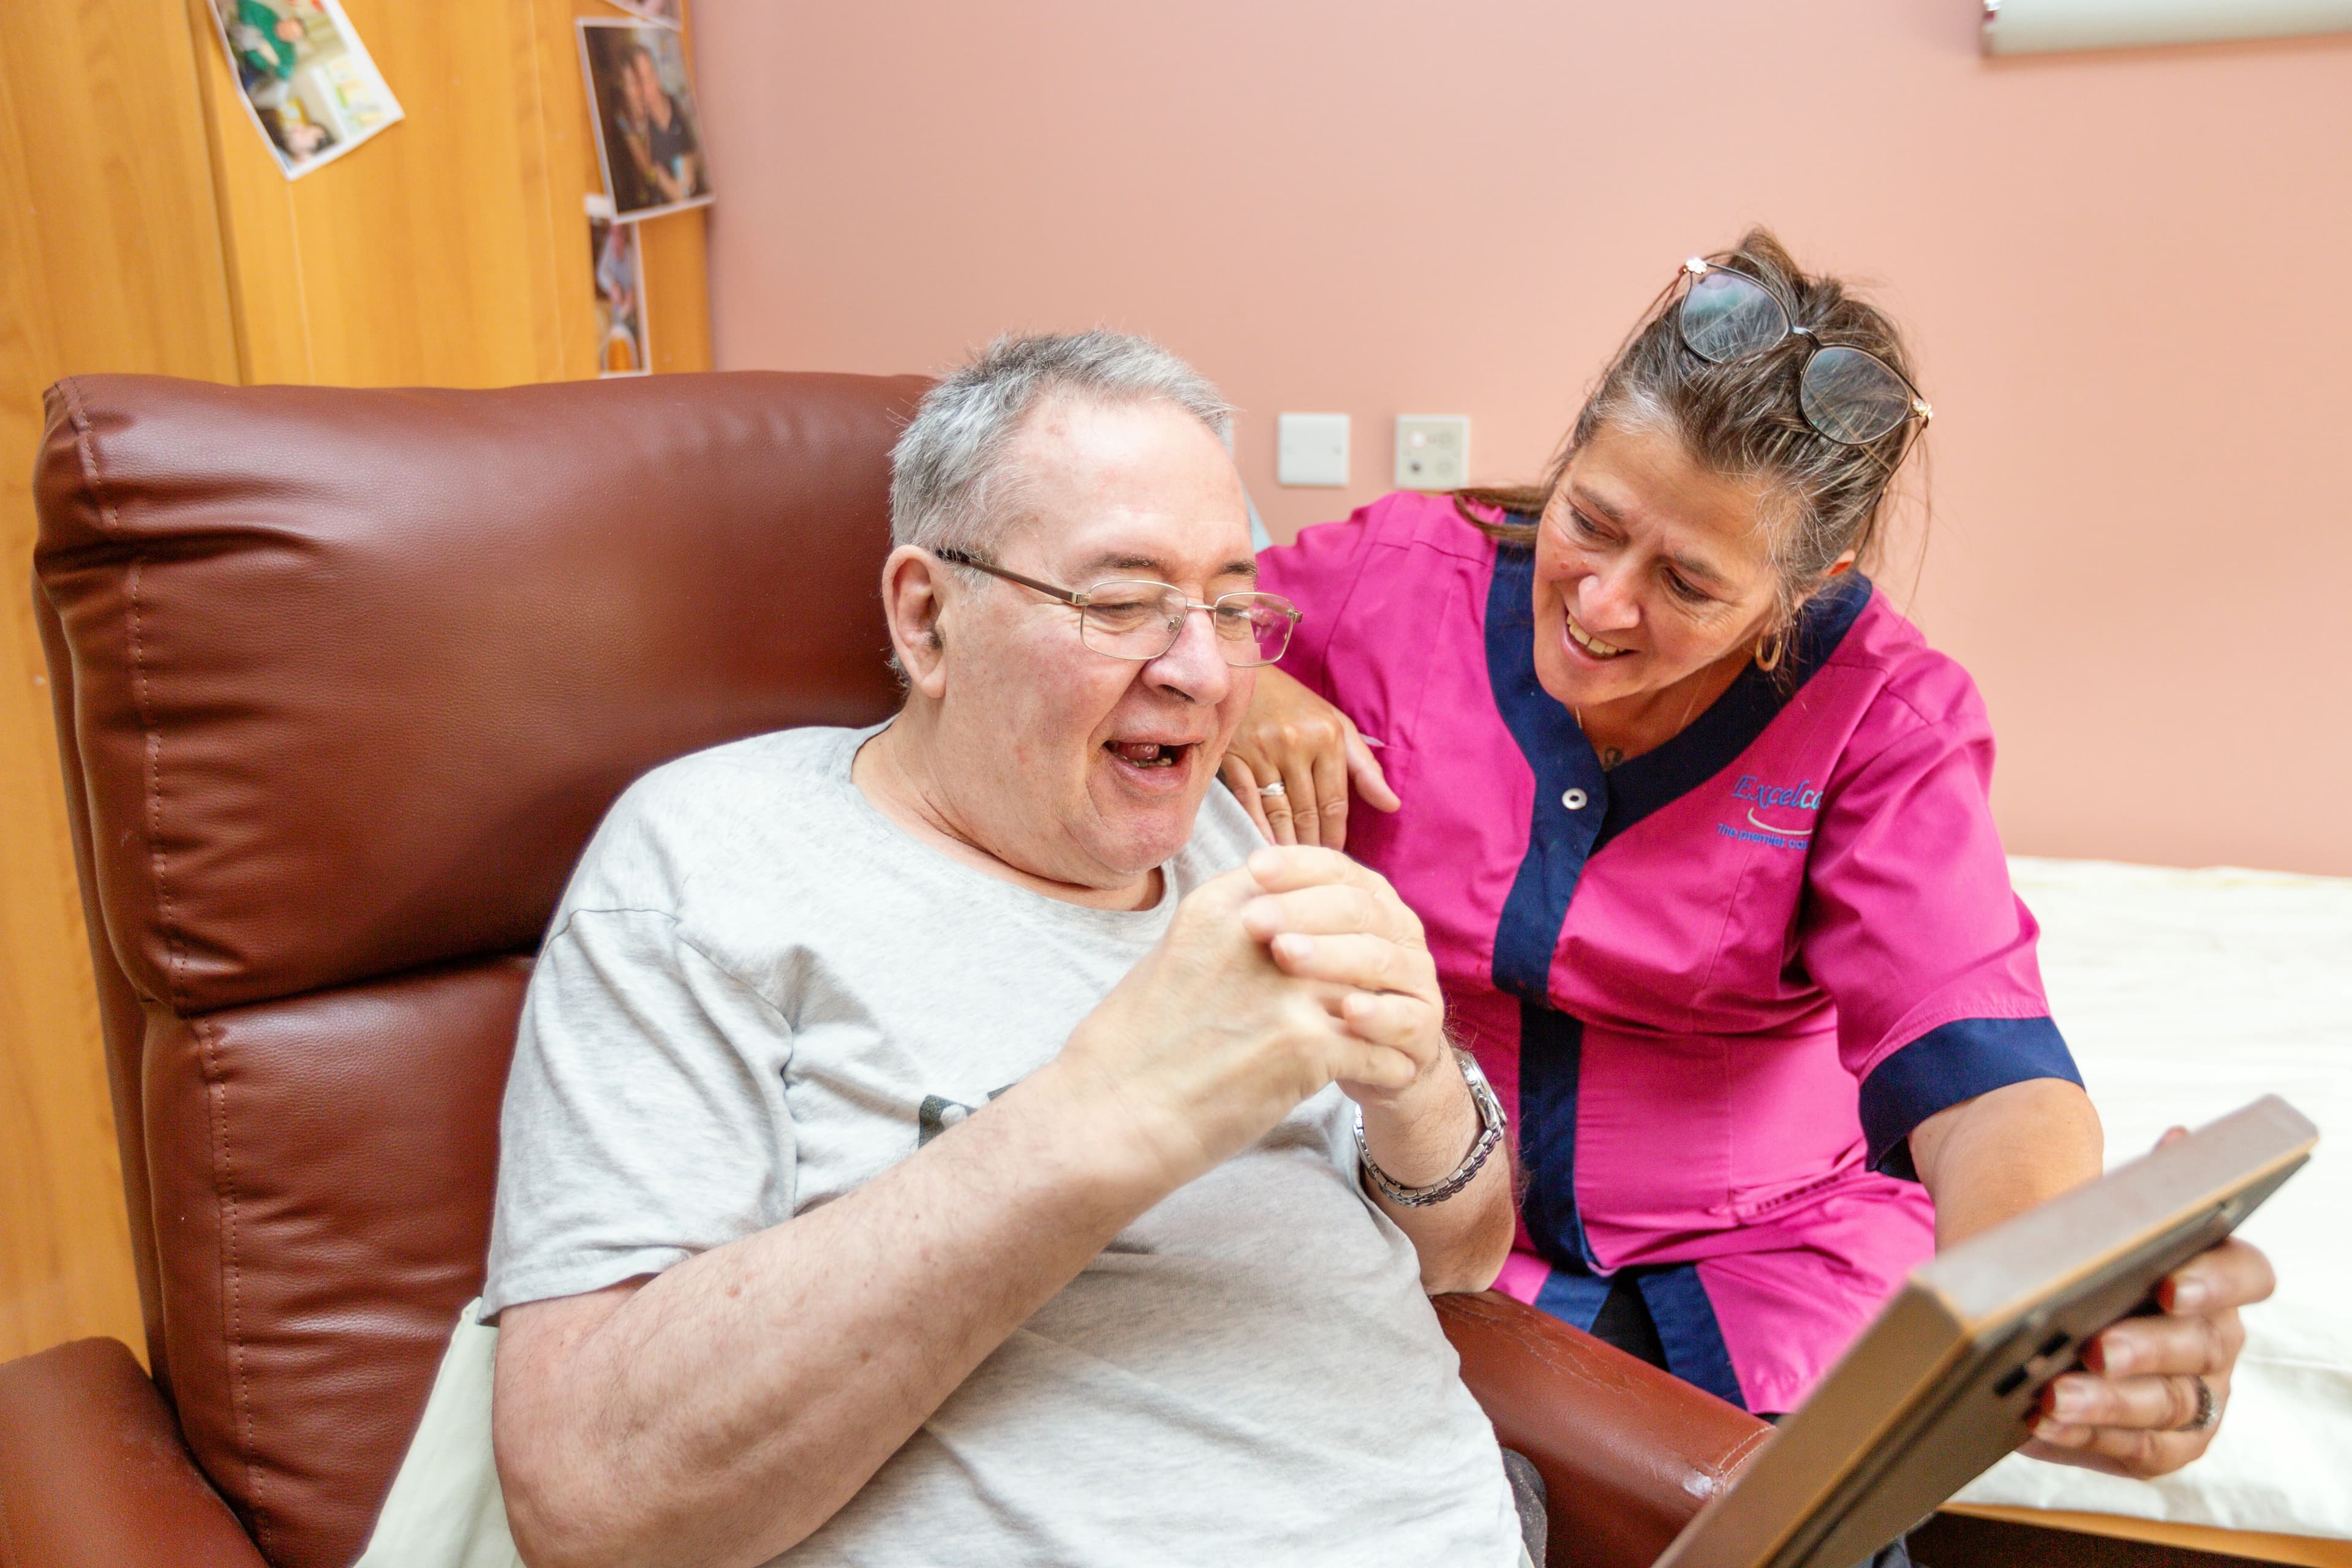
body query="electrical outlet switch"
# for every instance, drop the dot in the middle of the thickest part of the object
(1433, 451)
(1314, 449)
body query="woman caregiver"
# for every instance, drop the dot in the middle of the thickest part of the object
(1697, 827)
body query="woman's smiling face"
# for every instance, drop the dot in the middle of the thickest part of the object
(1649, 569)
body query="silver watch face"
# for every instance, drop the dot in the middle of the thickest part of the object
(1492, 1126)
(1490, 1109)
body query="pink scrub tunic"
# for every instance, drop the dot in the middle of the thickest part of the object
(1716, 985)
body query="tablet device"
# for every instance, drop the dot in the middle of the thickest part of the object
(1945, 1382)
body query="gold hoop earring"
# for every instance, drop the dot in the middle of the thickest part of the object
(1769, 662)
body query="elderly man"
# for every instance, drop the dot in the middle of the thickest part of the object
(963, 1140)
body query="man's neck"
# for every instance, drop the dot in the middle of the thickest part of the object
(892, 771)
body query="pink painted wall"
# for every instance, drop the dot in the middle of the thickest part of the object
(2128, 275)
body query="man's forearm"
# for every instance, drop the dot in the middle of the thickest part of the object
(732, 1404)
(1993, 1157)
(1463, 1240)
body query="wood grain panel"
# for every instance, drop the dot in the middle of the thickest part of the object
(452, 249)
(415, 259)
(677, 299)
(109, 259)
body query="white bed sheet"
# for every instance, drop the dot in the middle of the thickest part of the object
(2184, 995)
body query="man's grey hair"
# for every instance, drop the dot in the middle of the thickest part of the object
(951, 488)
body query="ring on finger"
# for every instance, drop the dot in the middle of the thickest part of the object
(2207, 1412)
(1272, 790)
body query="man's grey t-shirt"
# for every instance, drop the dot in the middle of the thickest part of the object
(759, 994)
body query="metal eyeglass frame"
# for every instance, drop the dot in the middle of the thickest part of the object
(1082, 601)
(1698, 267)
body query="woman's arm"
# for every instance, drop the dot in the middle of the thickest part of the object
(2129, 1411)
(1294, 738)
(1989, 1159)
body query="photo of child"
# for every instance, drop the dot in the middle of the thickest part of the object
(620, 276)
(308, 81)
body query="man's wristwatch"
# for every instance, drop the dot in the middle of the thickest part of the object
(1491, 1126)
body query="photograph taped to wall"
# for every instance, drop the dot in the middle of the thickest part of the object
(310, 84)
(619, 268)
(648, 135)
(668, 13)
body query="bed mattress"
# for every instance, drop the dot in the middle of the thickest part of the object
(2184, 995)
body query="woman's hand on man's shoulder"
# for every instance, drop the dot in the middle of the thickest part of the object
(1291, 762)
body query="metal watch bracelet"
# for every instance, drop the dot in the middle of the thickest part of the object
(1491, 1125)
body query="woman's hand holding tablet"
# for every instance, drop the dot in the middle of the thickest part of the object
(2137, 1409)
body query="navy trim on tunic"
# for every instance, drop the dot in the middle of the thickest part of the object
(1551, 1061)
(1679, 1310)
(1957, 1061)
(1573, 1297)
(1561, 838)
(1696, 1353)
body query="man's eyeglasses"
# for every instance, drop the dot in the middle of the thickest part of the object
(1135, 618)
(1850, 395)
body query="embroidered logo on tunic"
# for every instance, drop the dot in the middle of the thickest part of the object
(1780, 801)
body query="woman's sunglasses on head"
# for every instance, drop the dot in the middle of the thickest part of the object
(1849, 395)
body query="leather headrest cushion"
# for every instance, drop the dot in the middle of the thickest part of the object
(357, 672)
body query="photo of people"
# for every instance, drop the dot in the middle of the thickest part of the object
(663, 11)
(620, 297)
(648, 136)
(308, 80)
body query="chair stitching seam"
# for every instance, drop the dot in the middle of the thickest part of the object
(1730, 1462)
(93, 475)
(86, 445)
(232, 1280)
(157, 862)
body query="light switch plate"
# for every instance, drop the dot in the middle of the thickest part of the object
(1314, 449)
(1433, 451)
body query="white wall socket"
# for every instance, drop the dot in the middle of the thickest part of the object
(1314, 449)
(1433, 451)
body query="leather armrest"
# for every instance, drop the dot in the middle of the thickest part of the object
(93, 1472)
(1628, 1453)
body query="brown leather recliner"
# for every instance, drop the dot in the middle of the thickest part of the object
(344, 679)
